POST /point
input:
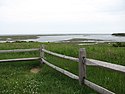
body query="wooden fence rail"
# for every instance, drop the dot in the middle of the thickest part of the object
(97, 87)
(62, 56)
(18, 50)
(73, 76)
(91, 62)
(20, 59)
(107, 65)
(82, 60)
(67, 57)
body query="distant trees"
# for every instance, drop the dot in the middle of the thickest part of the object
(119, 34)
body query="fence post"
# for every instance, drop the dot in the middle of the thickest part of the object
(82, 65)
(41, 54)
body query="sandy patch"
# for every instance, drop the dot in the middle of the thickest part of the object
(35, 70)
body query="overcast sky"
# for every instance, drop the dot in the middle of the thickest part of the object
(61, 16)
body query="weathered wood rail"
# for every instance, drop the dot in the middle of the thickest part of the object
(18, 50)
(82, 60)
(20, 59)
(115, 67)
(91, 62)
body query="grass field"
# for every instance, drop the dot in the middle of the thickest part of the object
(16, 78)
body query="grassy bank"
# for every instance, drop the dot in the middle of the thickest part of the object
(82, 40)
(17, 37)
(17, 78)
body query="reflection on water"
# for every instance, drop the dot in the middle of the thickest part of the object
(105, 37)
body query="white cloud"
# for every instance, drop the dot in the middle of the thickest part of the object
(56, 10)
(66, 11)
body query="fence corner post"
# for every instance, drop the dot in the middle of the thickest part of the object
(82, 65)
(41, 54)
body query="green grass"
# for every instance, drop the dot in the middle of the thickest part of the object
(18, 79)
(18, 37)
(15, 77)
(81, 39)
(119, 44)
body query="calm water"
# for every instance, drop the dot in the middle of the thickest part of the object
(104, 37)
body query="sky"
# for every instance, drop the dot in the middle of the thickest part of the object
(61, 16)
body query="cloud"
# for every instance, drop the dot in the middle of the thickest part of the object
(56, 10)
(64, 11)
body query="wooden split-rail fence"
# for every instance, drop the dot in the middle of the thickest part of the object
(82, 60)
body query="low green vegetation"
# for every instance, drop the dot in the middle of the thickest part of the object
(16, 78)
(17, 37)
(119, 44)
(81, 40)
(119, 34)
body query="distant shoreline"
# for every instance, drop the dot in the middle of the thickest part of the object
(63, 37)
(27, 37)
(118, 34)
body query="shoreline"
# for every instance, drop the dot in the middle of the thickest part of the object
(63, 38)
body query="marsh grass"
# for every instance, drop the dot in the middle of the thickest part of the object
(15, 77)
(18, 37)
